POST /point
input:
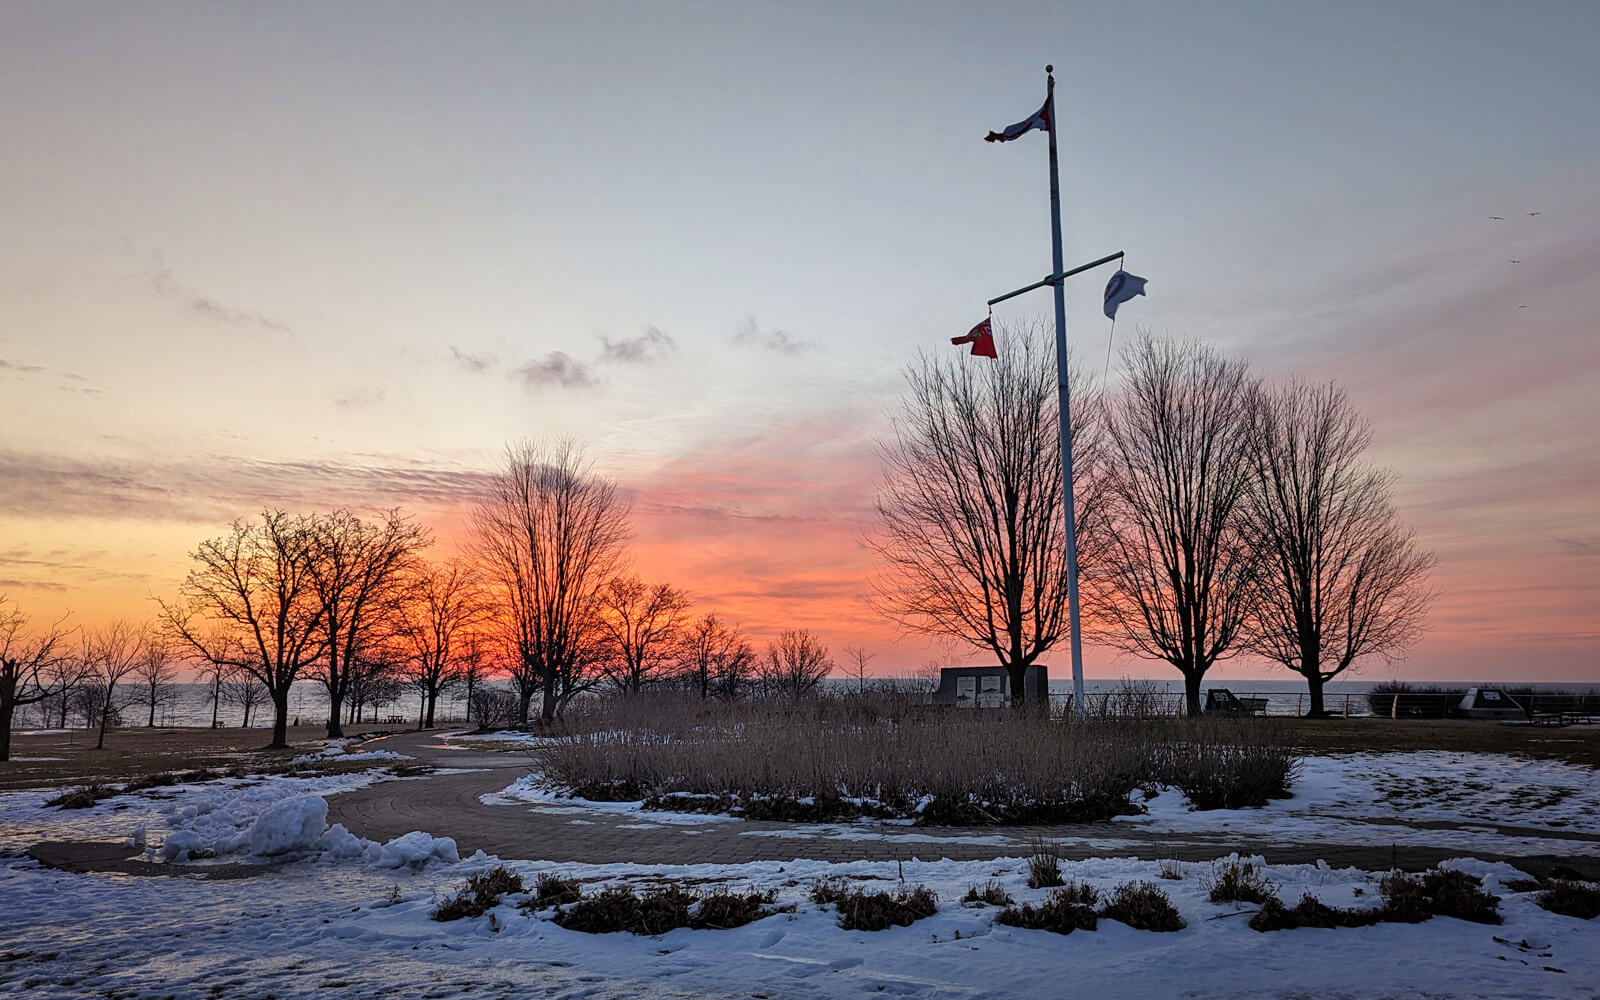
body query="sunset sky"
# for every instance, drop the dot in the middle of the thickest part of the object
(307, 254)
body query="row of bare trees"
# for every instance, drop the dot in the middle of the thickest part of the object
(1216, 514)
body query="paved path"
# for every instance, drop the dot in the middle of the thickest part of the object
(449, 805)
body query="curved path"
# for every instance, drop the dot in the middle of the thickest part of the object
(450, 805)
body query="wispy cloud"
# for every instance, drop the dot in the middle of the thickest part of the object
(478, 364)
(651, 345)
(555, 368)
(164, 285)
(781, 341)
(20, 368)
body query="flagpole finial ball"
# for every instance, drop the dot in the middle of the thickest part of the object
(1049, 69)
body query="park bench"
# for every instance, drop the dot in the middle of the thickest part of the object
(1225, 702)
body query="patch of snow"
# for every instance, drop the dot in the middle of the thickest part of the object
(291, 825)
(415, 849)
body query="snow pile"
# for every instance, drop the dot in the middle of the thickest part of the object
(416, 849)
(291, 825)
(340, 750)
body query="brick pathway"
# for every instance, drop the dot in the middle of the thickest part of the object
(449, 805)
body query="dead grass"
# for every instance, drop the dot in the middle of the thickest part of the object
(991, 893)
(663, 908)
(1571, 899)
(481, 894)
(1060, 914)
(879, 911)
(1142, 906)
(1444, 892)
(1237, 881)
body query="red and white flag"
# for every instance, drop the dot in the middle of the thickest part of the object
(1040, 121)
(981, 337)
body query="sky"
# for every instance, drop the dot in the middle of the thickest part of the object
(301, 255)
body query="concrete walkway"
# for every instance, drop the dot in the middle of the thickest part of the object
(449, 805)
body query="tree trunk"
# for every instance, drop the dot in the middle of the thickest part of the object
(105, 717)
(1019, 690)
(280, 719)
(216, 706)
(524, 704)
(433, 700)
(152, 723)
(548, 715)
(335, 710)
(1314, 682)
(7, 707)
(1191, 692)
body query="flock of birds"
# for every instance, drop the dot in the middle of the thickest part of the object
(1501, 218)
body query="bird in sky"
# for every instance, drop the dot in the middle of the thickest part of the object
(1535, 213)
(1516, 262)
(1522, 307)
(1497, 218)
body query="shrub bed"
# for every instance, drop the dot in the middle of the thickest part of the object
(879, 911)
(1444, 892)
(1571, 899)
(1240, 882)
(663, 908)
(826, 760)
(480, 895)
(1062, 913)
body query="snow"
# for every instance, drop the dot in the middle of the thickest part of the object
(291, 825)
(534, 789)
(292, 934)
(416, 849)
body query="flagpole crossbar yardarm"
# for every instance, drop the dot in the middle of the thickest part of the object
(1056, 278)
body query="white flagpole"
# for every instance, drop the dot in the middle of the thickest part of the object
(1064, 404)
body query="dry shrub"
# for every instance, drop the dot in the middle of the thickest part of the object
(480, 895)
(1571, 899)
(991, 893)
(1411, 899)
(879, 911)
(1309, 912)
(1044, 863)
(721, 909)
(1229, 763)
(1061, 913)
(1239, 881)
(1142, 906)
(82, 797)
(838, 758)
(1171, 871)
(829, 891)
(552, 890)
(1077, 893)
(663, 908)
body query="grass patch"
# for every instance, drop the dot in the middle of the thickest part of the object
(1239, 882)
(1142, 906)
(1571, 899)
(1062, 913)
(991, 893)
(721, 909)
(480, 895)
(1170, 871)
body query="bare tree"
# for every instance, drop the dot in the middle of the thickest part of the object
(114, 654)
(716, 659)
(1340, 577)
(643, 628)
(35, 664)
(476, 666)
(1174, 579)
(970, 521)
(251, 603)
(358, 569)
(157, 675)
(375, 681)
(548, 537)
(214, 675)
(859, 658)
(795, 664)
(243, 691)
(443, 607)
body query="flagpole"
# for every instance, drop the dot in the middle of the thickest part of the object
(1064, 403)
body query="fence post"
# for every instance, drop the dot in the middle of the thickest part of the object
(1297, 703)
(1394, 708)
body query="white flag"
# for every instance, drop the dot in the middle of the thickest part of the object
(1122, 287)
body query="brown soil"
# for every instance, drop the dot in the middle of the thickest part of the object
(133, 752)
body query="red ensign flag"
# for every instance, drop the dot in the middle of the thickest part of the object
(981, 337)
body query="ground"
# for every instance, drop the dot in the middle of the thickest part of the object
(348, 914)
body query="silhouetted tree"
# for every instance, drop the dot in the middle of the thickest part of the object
(1175, 576)
(157, 675)
(643, 626)
(1340, 577)
(358, 569)
(795, 664)
(443, 606)
(859, 658)
(35, 664)
(243, 691)
(112, 655)
(548, 537)
(716, 659)
(970, 519)
(250, 603)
